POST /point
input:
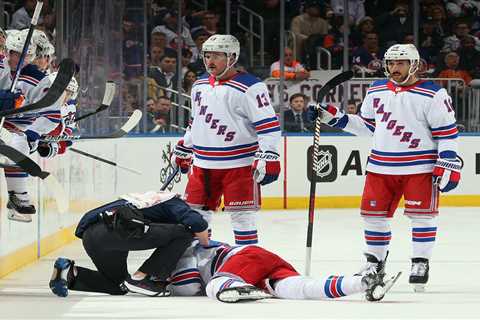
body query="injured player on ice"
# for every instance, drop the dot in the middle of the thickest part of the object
(248, 273)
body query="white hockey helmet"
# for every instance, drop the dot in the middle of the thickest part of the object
(44, 47)
(16, 40)
(225, 43)
(72, 85)
(402, 52)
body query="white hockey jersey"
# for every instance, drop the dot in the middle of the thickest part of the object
(411, 126)
(231, 120)
(33, 85)
(67, 124)
(198, 265)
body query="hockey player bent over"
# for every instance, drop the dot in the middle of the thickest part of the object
(414, 155)
(234, 132)
(243, 273)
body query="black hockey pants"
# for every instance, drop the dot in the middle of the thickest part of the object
(109, 251)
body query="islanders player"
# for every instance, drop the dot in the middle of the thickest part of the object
(233, 138)
(414, 155)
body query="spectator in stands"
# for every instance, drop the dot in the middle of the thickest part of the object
(439, 18)
(161, 115)
(130, 97)
(197, 65)
(452, 71)
(395, 24)
(430, 43)
(132, 48)
(158, 39)
(309, 24)
(366, 25)
(293, 69)
(210, 22)
(368, 57)
(461, 29)
(333, 42)
(469, 56)
(22, 17)
(351, 107)
(295, 118)
(188, 79)
(155, 54)
(186, 58)
(356, 10)
(165, 74)
(170, 31)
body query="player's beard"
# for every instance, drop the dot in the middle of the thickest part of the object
(398, 78)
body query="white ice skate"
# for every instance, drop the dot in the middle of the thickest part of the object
(19, 207)
(241, 294)
(378, 285)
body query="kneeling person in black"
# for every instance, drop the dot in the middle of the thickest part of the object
(153, 220)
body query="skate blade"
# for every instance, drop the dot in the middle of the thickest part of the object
(19, 217)
(232, 296)
(419, 288)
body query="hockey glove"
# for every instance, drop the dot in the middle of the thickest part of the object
(182, 157)
(328, 113)
(8, 99)
(266, 167)
(50, 150)
(446, 173)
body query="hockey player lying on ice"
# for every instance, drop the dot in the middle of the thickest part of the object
(247, 273)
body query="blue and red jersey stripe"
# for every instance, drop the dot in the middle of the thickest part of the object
(445, 132)
(397, 159)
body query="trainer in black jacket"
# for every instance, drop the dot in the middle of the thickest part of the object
(109, 232)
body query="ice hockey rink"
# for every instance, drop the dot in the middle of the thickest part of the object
(453, 291)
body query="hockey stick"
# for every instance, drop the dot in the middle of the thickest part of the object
(65, 74)
(33, 24)
(169, 179)
(107, 100)
(124, 130)
(86, 154)
(33, 169)
(332, 83)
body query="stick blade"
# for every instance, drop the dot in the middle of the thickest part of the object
(132, 121)
(332, 83)
(109, 94)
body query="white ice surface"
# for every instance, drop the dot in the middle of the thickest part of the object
(453, 291)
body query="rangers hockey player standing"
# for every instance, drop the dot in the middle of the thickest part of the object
(414, 155)
(234, 132)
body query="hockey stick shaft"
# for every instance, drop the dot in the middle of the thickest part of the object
(86, 154)
(33, 24)
(169, 179)
(124, 130)
(332, 83)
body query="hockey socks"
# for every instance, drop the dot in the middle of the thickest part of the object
(424, 232)
(377, 236)
(244, 227)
